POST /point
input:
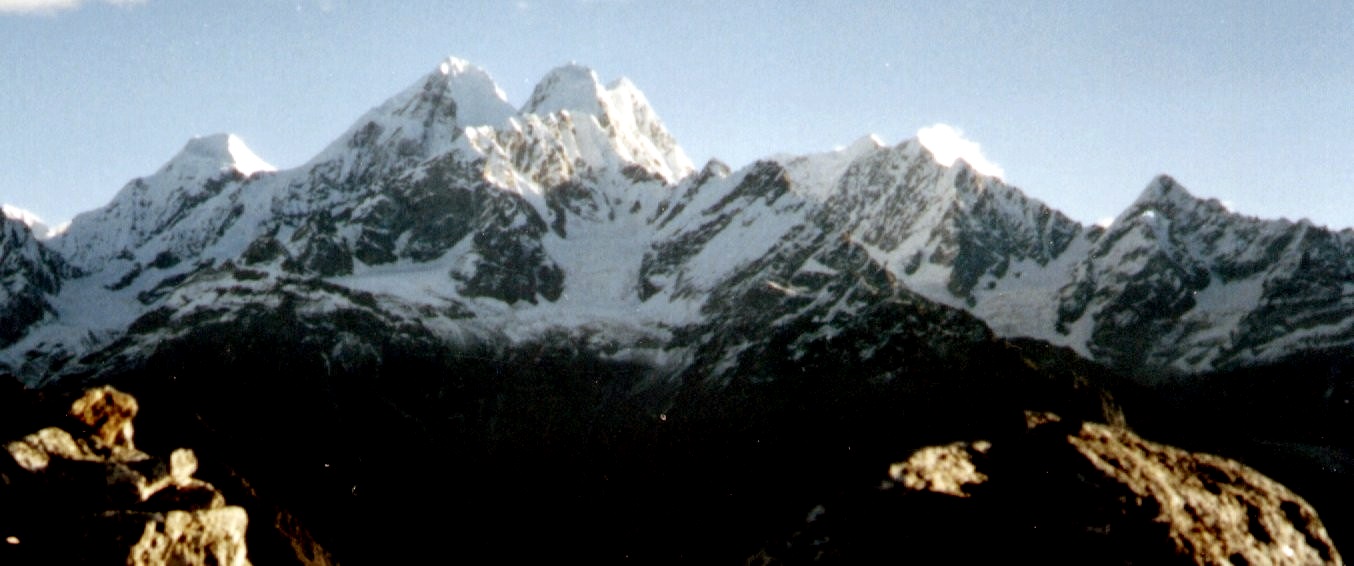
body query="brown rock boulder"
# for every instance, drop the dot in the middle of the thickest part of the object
(84, 494)
(1064, 493)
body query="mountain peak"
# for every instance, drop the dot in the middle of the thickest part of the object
(422, 120)
(1167, 194)
(1166, 198)
(208, 155)
(636, 133)
(475, 97)
(456, 65)
(457, 90)
(571, 87)
(1163, 188)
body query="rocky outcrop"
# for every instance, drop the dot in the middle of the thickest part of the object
(84, 494)
(1064, 493)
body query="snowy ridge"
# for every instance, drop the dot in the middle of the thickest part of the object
(203, 156)
(1180, 282)
(206, 175)
(816, 175)
(41, 230)
(444, 212)
(422, 121)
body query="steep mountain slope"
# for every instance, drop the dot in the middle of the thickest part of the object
(178, 211)
(30, 275)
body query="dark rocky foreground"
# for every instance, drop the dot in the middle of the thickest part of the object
(1066, 493)
(82, 493)
(719, 486)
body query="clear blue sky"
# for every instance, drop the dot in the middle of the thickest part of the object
(1080, 102)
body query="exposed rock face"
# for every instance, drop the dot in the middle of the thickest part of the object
(29, 276)
(91, 497)
(1065, 493)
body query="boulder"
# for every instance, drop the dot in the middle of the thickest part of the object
(84, 494)
(1062, 492)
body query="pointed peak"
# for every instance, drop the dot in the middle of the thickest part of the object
(455, 94)
(1166, 193)
(215, 153)
(1166, 198)
(475, 98)
(465, 76)
(571, 87)
(715, 168)
(427, 116)
(1163, 187)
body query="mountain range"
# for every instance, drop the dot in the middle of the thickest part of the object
(447, 229)
(580, 211)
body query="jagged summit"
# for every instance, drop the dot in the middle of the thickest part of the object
(1166, 196)
(421, 121)
(577, 89)
(459, 107)
(456, 92)
(1163, 188)
(465, 90)
(620, 109)
(215, 153)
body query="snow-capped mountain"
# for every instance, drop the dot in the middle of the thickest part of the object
(1176, 281)
(451, 216)
(174, 212)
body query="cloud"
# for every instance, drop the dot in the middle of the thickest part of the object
(948, 144)
(53, 6)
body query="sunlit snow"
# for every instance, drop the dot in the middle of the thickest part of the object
(40, 229)
(948, 144)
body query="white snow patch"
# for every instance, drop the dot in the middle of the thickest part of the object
(245, 160)
(948, 144)
(815, 266)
